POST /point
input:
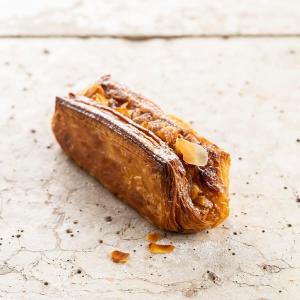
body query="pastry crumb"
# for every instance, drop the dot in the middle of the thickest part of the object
(153, 237)
(119, 257)
(161, 249)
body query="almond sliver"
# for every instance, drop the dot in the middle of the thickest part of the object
(181, 123)
(92, 90)
(160, 249)
(153, 237)
(193, 154)
(119, 257)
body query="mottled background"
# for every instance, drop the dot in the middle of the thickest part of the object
(231, 68)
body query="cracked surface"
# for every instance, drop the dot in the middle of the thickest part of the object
(58, 225)
(164, 18)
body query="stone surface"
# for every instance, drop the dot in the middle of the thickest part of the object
(54, 238)
(152, 17)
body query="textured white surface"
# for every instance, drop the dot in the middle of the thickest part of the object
(242, 94)
(151, 17)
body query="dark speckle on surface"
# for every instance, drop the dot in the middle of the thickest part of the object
(46, 283)
(108, 219)
(68, 231)
(33, 131)
(213, 277)
(289, 225)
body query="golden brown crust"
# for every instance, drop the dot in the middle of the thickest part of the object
(138, 165)
(211, 173)
(213, 179)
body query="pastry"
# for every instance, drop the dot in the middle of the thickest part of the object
(154, 162)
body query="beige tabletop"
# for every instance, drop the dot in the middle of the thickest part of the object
(231, 68)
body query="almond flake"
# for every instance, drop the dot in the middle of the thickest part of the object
(193, 154)
(119, 257)
(153, 237)
(160, 249)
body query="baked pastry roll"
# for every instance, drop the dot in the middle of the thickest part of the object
(154, 162)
